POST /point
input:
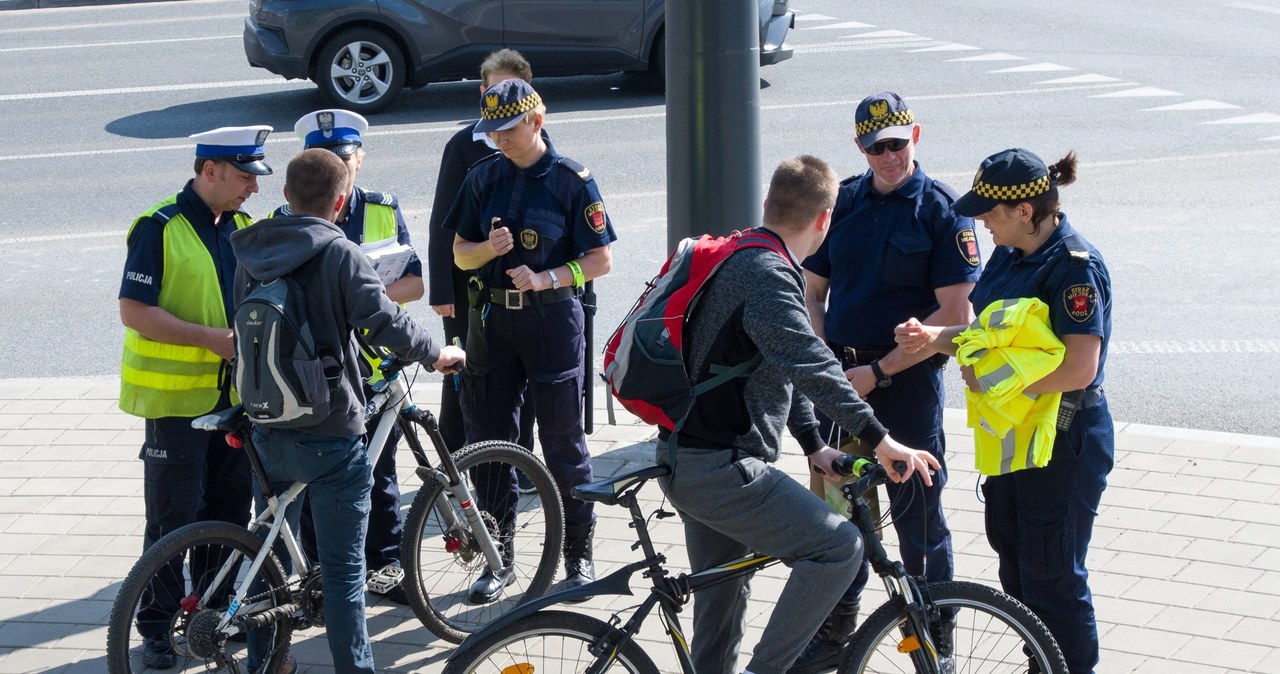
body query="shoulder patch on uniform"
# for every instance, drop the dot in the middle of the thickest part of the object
(967, 242)
(283, 211)
(594, 213)
(1080, 301)
(577, 168)
(380, 198)
(165, 213)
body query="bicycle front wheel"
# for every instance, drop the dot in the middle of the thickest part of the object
(548, 641)
(994, 633)
(442, 554)
(159, 618)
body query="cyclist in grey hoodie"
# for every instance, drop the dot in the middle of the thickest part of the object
(342, 293)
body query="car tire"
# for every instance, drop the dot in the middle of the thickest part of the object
(657, 74)
(361, 70)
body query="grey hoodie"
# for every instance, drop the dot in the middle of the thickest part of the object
(342, 292)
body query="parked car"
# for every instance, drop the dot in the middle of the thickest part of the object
(361, 53)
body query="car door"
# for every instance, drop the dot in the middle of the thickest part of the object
(568, 36)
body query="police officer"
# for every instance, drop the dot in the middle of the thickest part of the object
(369, 217)
(533, 225)
(897, 249)
(175, 304)
(1039, 254)
(447, 284)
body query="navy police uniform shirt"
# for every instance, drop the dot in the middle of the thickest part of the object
(353, 224)
(887, 253)
(144, 259)
(1078, 295)
(553, 209)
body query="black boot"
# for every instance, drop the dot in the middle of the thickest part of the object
(578, 567)
(490, 584)
(822, 653)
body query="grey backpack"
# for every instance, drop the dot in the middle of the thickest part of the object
(282, 379)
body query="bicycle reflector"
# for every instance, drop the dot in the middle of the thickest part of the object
(521, 668)
(234, 441)
(909, 645)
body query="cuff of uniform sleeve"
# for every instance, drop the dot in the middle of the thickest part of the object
(810, 440)
(873, 433)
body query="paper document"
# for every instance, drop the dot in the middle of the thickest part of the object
(389, 258)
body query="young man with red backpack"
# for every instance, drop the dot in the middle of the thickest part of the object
(730, 497)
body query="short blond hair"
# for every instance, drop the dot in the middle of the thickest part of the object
(801, 188)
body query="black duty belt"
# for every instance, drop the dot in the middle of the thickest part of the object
(519, 299)
(851, 357)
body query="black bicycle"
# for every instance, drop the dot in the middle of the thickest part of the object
(211, 588)
(988, 631)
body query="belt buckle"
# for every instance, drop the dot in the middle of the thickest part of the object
(514, 299)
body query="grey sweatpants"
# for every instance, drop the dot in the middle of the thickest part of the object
(732, 508)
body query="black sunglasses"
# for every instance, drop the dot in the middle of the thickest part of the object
(893, 144)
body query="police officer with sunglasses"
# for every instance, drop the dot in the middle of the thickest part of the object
(896, 248)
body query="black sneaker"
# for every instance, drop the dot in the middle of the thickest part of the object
(489, 585)
(157, 653)
(525, 484)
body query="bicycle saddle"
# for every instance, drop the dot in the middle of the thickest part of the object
(608, 491)
(218, 421)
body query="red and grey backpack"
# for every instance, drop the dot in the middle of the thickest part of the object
(644, 360)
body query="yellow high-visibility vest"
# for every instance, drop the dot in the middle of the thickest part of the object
(174, 380)
(1010, 346)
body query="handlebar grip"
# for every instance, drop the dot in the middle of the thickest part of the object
(848, 464)
(900, 467)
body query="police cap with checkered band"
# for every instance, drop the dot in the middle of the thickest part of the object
(504, 104)
(1008, 177)
(882, 116)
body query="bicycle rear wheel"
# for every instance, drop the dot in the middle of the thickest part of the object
(994, 633)
(442, 556)
(547, 641)
(158, 600)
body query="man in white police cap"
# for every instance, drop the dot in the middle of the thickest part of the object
(366, 218)
(176, 304)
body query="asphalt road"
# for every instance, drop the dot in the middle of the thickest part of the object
(1172, 105)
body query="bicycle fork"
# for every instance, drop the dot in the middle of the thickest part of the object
(917, 640)
(474, 521)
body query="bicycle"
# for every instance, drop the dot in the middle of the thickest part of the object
(194, 585)
(991, 631)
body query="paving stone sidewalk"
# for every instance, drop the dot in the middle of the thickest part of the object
(1185, 559)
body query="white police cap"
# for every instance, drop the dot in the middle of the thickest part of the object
(240, 146)
(338, 131)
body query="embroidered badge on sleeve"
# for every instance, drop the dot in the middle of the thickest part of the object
(1080, 301)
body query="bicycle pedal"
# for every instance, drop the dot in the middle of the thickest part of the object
(385, 579)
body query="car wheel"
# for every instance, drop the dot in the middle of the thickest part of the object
(361, 70)
(658, 62)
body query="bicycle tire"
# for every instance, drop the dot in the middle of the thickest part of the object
(176, 557)
(437, 581)
(994, 633)
(547, 641)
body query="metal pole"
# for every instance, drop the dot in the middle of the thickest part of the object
(713, 117)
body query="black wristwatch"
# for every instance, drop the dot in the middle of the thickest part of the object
(882, 380)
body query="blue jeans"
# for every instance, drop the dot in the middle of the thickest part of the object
(339, 480)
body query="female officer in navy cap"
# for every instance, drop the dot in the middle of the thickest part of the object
(1039, 521)
(532, 224)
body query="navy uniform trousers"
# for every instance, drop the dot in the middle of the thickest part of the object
(924, 541)
(190, 476)
(1039, 522)
(538, 353)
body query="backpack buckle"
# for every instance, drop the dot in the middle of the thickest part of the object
(514, 299)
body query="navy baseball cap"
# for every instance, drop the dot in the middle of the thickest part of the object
(883, 115)
(1010, 176)
(504, 104)
(338, 131)
(240, 146)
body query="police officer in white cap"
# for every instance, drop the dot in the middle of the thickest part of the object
(369, 217)
(175, 303)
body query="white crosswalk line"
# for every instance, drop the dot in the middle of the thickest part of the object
(1090, 78)
(1202, 104)
(1256, 118)
(1139, 92)
(1034, 68)
(952, 46)
(881, 33)
(994, 56)
(844, 25)
(814, 17)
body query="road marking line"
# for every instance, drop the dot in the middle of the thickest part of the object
(185, 20)
(844, 47)
(1034, 68)
(119, 44)
(1256, 118)
(1257, 8)
(1272, 138)
(844, 25)
(1082, 79)
(954, 46)
(1196, 346)
(801, 16)
(277, 81)
(995, 56)
(1202, 104)
(881, 33)
(1140, 92)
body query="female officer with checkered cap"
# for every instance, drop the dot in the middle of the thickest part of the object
(532, 224)
(1039, 520)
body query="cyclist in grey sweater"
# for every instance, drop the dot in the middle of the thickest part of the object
(730, 498)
